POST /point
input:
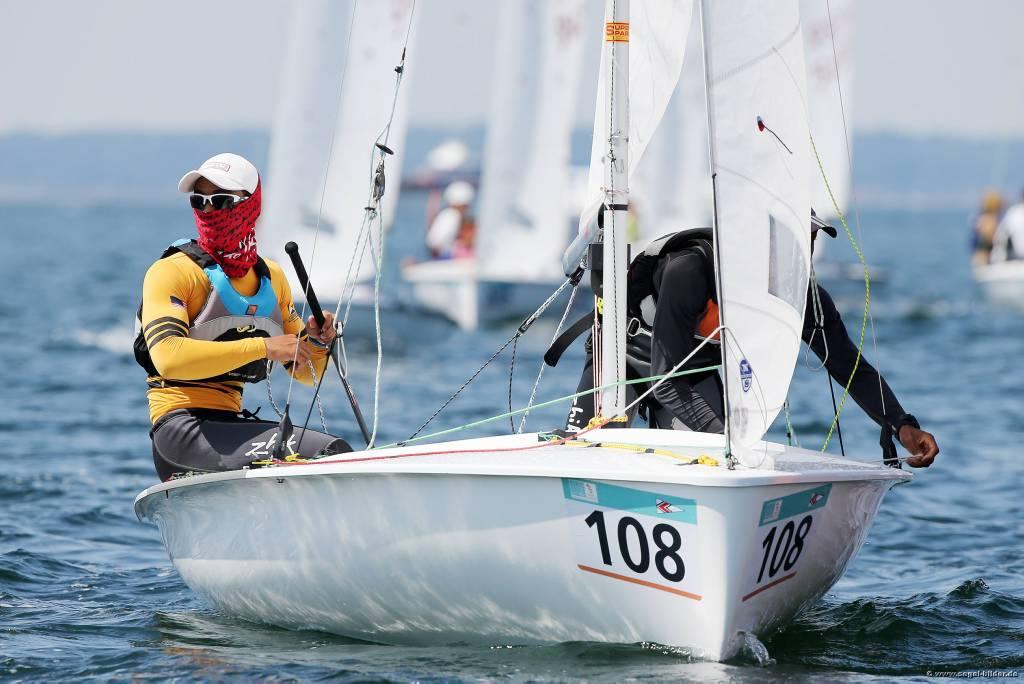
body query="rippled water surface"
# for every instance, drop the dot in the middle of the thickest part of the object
(87, 591)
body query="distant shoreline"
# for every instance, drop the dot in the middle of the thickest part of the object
(141, 168)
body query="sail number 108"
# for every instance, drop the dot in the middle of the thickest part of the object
(783, 549)
(637, 557)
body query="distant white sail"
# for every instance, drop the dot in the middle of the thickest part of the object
(661, 27)
(378, 33)
(671, 189)
(756, 70)
(307, 107)
(525, 203)
(826, 45)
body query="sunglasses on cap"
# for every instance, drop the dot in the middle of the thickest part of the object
(219, 200)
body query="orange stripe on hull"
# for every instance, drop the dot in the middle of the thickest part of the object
(769, 586)
(643, 583)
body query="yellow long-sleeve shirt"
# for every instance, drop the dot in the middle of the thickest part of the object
(173, 292)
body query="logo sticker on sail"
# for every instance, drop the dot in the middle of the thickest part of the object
(746, 375)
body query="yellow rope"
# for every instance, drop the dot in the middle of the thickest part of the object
(703, 459)
(867, 295)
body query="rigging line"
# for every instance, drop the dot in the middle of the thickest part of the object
(839, 427)
(867, 295)
(670, 374)
(511, 372)
(459, 391)
(550, 402)
(317, 382)
(348, 291)
(320, 210)
(790, 431)
(377, 193)
(819, 322)
(523, 327)
(540, 373)
(856, 208)
(372, 213)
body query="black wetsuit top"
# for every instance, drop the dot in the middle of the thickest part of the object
(683, 293)
(684, 285)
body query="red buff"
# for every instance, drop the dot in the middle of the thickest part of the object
(229, 235)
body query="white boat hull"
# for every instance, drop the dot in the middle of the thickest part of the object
(400, 551)
(1003, 283)
(454, 289)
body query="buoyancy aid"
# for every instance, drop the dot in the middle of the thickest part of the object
(645, 277)
(226, 315)
(644, 280)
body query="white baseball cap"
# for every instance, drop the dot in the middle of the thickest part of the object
(227, 171)
(459, 193)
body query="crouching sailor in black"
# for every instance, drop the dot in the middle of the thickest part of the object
(214, 314)
(673, 307)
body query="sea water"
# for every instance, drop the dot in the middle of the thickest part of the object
(86, 590)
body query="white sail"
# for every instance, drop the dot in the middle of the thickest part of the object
(671, 189)
(307, 106)
(755, 65)
(525, 206)
(661, 27)
(379, 32)
(828, 44)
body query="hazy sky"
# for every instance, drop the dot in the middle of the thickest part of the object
(922, 66)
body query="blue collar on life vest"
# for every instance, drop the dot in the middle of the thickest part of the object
(263, 303)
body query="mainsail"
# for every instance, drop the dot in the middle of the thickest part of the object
(828, 44)
(759, 153)
(374, 49)
(525, 210)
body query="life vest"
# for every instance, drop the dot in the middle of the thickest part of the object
(225, 316)
(644, 281)
(642, 293)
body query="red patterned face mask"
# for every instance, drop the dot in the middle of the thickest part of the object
(229, 235)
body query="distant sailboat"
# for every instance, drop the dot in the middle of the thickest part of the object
(324, 58)
(525, 212)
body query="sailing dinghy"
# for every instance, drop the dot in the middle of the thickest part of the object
(615, 535)
(1002, 282)
(526, 213)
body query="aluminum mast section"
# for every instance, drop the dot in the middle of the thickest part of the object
(616, 169)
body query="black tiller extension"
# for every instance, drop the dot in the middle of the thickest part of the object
(314, 306)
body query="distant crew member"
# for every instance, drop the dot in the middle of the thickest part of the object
(672, 306)
(1009, 238)
(452, 233)
(984, 226)
(214, 314)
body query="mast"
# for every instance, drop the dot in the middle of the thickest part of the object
(616, 169)
(714, 227)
